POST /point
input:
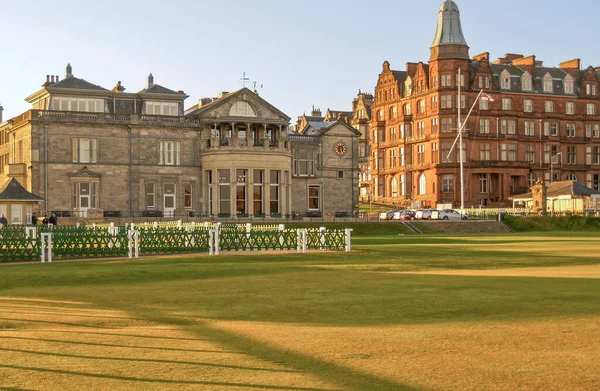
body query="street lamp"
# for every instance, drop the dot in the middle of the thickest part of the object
(552, 165)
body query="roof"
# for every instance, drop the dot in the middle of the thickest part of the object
(15, 192)
(74, 83)
(449, 30)
(400, 76)
(158, 89)
(562, 189)
(319, 127)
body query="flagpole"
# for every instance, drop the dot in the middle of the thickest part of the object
(460, 147)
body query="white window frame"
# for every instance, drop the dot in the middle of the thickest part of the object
(84, 150)
(169, 153)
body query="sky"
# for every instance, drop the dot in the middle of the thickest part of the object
(303, 53)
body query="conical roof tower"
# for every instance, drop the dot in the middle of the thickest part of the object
(449, 42)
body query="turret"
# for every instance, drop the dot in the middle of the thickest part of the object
(449, 42)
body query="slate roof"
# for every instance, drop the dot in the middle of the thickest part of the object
(537, 74)
(400, 75)
(15, 192)
(563, 188)
(158, 89)
(74, 83)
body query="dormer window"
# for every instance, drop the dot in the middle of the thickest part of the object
(526, 82)
(505, 80)
(77, 104)
(569, 84)
(408, 86)
(548, 83)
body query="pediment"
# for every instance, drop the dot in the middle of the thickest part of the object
(86, 173)
(340, 128)
(240, 105)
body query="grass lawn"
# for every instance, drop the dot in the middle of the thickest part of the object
(372, 319)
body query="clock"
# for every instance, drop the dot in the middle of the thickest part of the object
(340, 149)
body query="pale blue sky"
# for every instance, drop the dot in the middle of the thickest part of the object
(303, 52)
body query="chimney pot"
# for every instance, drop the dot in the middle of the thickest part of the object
(47, 78)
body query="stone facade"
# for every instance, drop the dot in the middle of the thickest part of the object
(89, 152)
(529, 122)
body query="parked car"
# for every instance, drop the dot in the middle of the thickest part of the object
(423, 214)
(404, 215)
(387, 215)
(451, 214)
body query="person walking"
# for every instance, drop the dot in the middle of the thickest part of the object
(34, 218)
(3, 220)
(45, 220)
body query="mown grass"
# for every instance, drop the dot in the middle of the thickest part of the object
(329, 289)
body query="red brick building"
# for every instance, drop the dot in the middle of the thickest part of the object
(531, 122)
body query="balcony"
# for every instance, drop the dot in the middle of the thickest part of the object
(417, 139)
(247, 144)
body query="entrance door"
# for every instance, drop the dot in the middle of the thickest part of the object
(169, 200)
(84, 198)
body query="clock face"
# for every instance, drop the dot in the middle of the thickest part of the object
(340, 149)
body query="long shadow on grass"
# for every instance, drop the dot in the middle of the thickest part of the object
(347, 378)
(173, 383)
(61, 341)
(144, 360)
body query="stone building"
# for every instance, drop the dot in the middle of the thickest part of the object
(92, 152)
(325, 169)
(531, 122)
(360, 120)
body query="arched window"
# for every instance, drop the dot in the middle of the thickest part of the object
(569, 85)
(394, 186)
(422, 184)
(526, 82)
(548, 82)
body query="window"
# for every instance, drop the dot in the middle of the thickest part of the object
(421, 129)
(483, 183)
(572, 177)
(530, 153)
(512, 152)
(571, 155)
(77, 104)
(401, 156)
(274, 191)
(162, 108)
(304, 162)
(526, 82)
(592, 130)
(421, 106)
(590, 109)
(393, 112)
(446, 80)
(224, 191)
(313, 197)
(484, 152)
(505, 80)
(422, 184)
(434, 153)
(546, 154)
(463, 101)
(402, 186)
(484, 126)
(484, 103)
(529, 128)
(258, 177)
(484, 82)
(394, 187)
(446, 156)
(84, 150)
(571, 130)
(446, 101)
(596, 153)
(168, 153)
(548, 83)
(506, 104)
(434, 125)
(433, 81)
(446, 125)
(528, 105)
(240, 191)
(549, 106)
(568, 84)
(420, 154)
(550, 128)
(570, 106)
(406, 109)
(393, 159)
(434, 102)
(150, 195)
(380, 115)
(187, 195)
(393, 134)
(531, 179)
(447, 183)
(85, 195)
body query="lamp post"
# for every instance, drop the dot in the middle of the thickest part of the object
(552, 165)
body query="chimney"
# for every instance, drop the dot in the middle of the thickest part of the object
(315, 112)
(481, 56)
(571, 67)
(118, 87)
(69, 71)
(47, 83)
(150, 81)
(1, 110)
